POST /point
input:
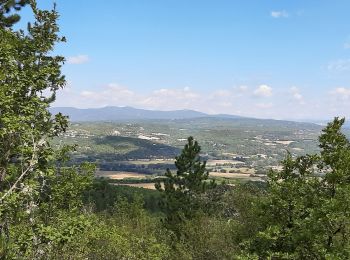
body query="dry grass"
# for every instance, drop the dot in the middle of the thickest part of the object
(246, 170)
(232, 175)
(147, 162)
(119, 175)
(149, 186)
(215, 162)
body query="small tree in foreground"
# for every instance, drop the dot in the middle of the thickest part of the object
(182, 190)
(306, 214)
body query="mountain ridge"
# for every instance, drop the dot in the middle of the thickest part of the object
(111, 113)
(114, 113)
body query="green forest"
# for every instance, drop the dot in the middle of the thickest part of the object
(53, 209)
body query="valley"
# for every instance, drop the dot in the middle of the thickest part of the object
(136, 152)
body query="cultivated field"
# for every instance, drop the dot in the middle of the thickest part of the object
(120, 175)
(148, 161)
(222, 162)
(149, 186)
(233, 175)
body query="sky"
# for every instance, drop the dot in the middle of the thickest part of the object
(281, 59)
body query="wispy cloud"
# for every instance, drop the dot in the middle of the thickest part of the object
(241, 89)
(341, 93)
(264, 105)
(79, 59)
(339, 65)
(296, 95)
(167, 98)
(346, 44)
(279, 14)
(263, 91)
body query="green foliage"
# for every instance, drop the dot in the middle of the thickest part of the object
(7, 19)
(103, 196)
(181, 191)
(40, 198)
(52, 220)
(205, 237)
(306, 214)
(129, 233)
(27, 70)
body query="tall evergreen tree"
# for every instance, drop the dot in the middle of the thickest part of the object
(182, 190)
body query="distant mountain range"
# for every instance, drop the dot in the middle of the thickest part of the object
(111, 113)
(129, 113)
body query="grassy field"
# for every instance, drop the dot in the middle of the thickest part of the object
(234, 175)
(149, 186)
(119, 175)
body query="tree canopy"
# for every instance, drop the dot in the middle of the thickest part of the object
(7, 17)
(306, 213)
(34, 186)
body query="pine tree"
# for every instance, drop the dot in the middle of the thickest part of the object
(182, 190)
(7, 19)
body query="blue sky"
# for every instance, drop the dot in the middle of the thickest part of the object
(278, 59)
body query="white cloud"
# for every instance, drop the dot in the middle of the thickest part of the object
(184, 93)
(264, 105)
(341, 93)
(346, 44)
(225, 104)
(297, 96)
(339, 65)
(111, 94)
(79, 59)
(279, 14)
(166, 98)
(294, 91)
(263, 91)
(241, 88)
(121, 90)
(222, 93)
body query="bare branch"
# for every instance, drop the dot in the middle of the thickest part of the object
(30, 168)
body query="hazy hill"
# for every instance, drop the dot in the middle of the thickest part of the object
(123, 113)
(112, 113)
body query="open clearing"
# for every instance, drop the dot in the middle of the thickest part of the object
(149, 186)
(231, 175)
(221, 162)
(246, 170)
(120, 175)
(147, 162)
